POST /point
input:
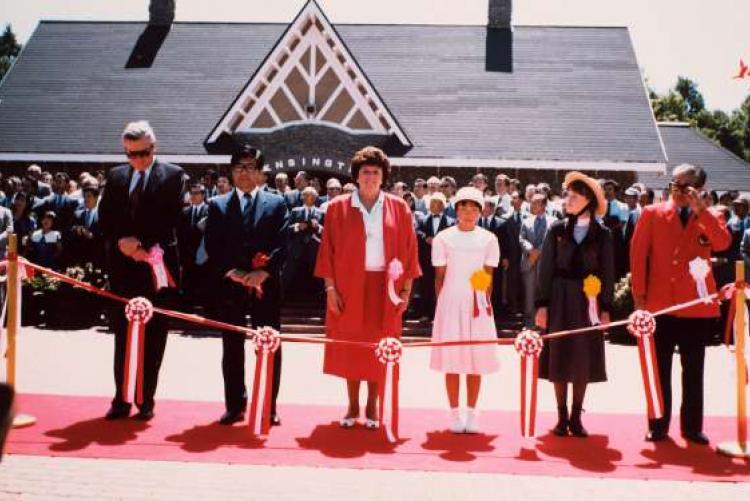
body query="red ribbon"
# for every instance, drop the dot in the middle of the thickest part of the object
(267, 341)
(729, 293)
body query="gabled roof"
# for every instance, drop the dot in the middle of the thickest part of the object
(573, 95)
(685, 144)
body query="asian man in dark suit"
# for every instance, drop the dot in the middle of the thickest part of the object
(87, 241)
(497, 226)
(190, 233)
(246, 236)
(512, 279)
(62, 204)
(139, 209)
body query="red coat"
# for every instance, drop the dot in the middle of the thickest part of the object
(342, 257)
(661, 250)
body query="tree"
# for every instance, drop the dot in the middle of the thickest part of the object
(9, 50)
(685, 103)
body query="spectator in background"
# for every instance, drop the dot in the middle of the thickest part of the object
(282, 182)
(42, 181)
(420, 192)
(45, 244)
(209, 182)
(533, 231)
(512, 276)
(448, 187)
(265, 176)
(223, 184)
(293, 197)
(738, 224)
(479, 181)
(23, 222)
(348, 188)
(433, 186)
(728, 197)
(190, 230)
(399, 188)
(305, 230)
(86, 243)
(315, 183)
(528, 194)
(615, 218)
(646, 198)
(6, 228)
(745, 251)
(498, 227)
(435, 222)
(333, 189)
(502, 194)
(61, 203)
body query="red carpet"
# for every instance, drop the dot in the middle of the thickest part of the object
(310, 436)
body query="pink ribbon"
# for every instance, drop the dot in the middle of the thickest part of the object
(642, 325)
(159, 272)
(395, 270)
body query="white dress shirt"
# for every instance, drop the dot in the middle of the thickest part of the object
(243, 200)
(146, 174)
(374, 244)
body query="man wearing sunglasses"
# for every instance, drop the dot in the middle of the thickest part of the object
(667, 237)
(139, 209)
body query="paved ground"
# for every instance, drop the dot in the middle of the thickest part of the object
(79, 363)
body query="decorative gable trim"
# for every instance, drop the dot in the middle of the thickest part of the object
(310, 77)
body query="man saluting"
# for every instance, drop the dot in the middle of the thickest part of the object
(668, 237)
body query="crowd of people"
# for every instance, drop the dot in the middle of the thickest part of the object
(239, 243)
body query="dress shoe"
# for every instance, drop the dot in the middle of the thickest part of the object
(347, 422)
(231, 417)
(561, 428)
(656, 436)
(117, 412)
(575, 426)
(471, 424)
(699, 438)
(372, 424)
(275, 420)
(145, 415)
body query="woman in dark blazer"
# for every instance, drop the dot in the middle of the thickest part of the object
(574, 248)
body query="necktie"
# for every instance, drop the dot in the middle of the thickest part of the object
(248, 204)
(87, 218)
(135, 195)
(518, 217)
(684, 215)
(538, 228)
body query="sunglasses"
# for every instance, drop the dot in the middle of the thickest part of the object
(139, 153)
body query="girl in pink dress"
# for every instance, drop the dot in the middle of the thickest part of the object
(464, 257)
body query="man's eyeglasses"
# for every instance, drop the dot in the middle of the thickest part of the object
(139, 153)
(682, 188)
(245, 167)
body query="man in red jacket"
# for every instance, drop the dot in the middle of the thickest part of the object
(667, 238)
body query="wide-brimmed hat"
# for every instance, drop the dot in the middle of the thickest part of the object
(592, 183)
(469, 194)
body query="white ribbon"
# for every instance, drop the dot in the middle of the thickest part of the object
(258, 424)
(594, 311)
(156, 260)
(395, 270)
(482, 301)
(387, 403)
(699, 269)
(134, 340)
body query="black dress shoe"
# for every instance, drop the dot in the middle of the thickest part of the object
(117, 412)
(656, 436)
(275, 420)
(699, 438)
(231, 417)
(145, 415)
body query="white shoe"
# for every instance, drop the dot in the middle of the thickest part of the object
(457, 423)
(347, 422)
(472, 421)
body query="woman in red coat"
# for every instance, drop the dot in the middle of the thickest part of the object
(365, 232)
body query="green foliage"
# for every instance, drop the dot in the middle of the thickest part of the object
(9, 50)
(685, 103)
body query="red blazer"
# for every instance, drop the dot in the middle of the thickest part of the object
(661, 250)
(341, 256)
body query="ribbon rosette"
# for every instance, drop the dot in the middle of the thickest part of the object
(159, 272)
(480, 283)
(260, 260)
(699, 269)
(138, 312)
(642, 325)
(529, 346)
(389, 351)
(267, 341)
(592, 287)
(395, 270)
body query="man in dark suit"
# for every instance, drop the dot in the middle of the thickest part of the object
(87, 241)
(305, 229)
(435, 222)
(41, 189)
(293, 198)
(497, 226)
(246, 235)
(190, 233)
(62, 204)
(266, 176)
(512, 281)
(140, 208)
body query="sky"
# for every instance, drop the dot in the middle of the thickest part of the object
(698, 39)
